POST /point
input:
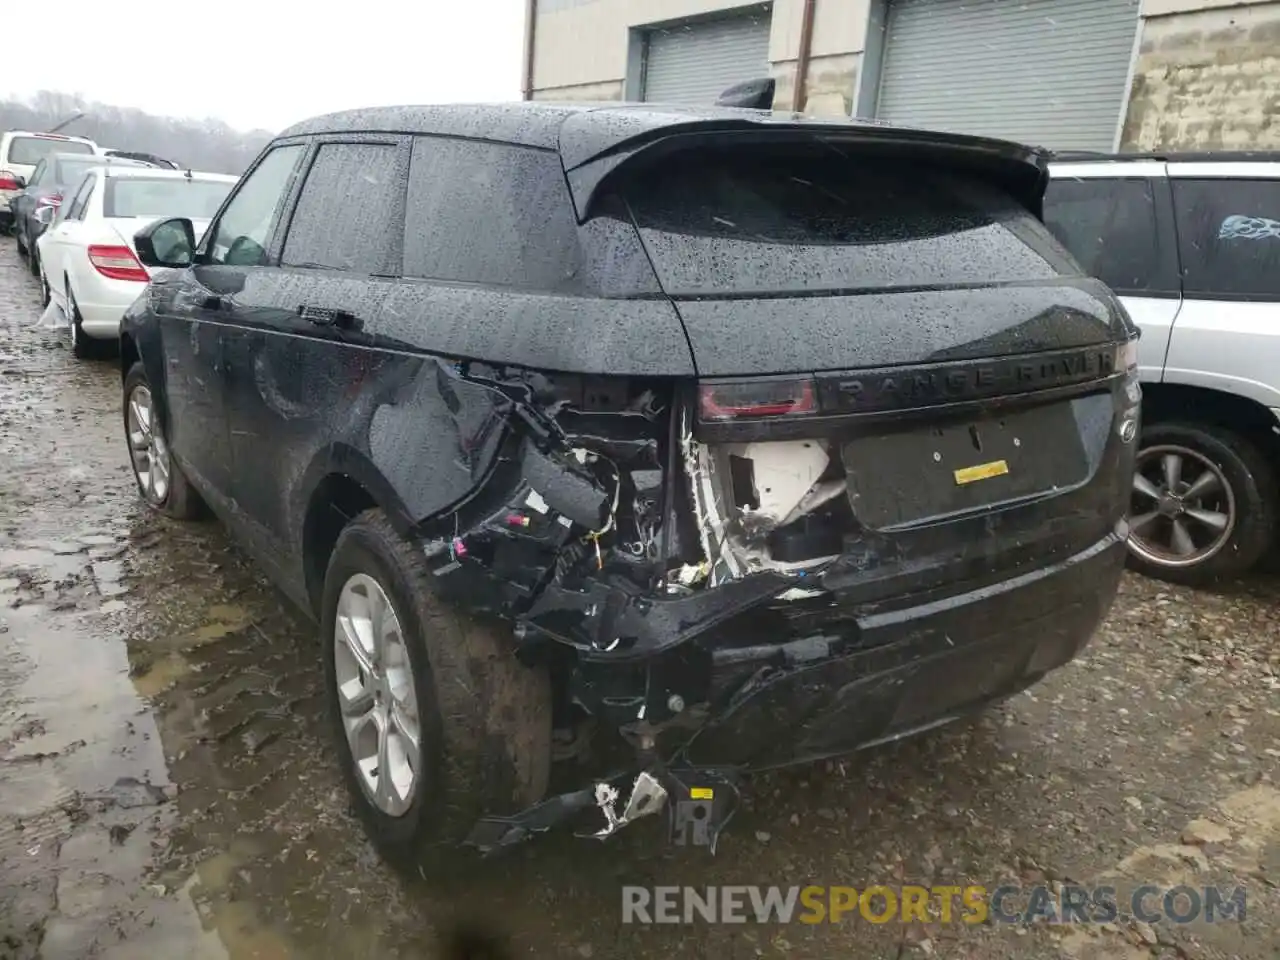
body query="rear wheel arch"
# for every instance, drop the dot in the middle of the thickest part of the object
(129, 354)
(341, 484)
(1180, 403)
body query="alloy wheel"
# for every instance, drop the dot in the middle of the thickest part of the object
(148, 451)
(376, 695)
(1183, 510)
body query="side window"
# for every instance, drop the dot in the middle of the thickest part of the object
(38, 173)
(351, 196)
(1109, 225)
(244, 230)
(488, 213)
(81, 199)
(1229, 233)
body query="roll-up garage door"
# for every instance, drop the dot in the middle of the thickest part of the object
(694, 63)
(1047, 72)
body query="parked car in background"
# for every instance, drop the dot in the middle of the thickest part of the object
(1192, 246)
(53, 177)
(742, 439)
(89, 266)
(20, 152)
(150, 158)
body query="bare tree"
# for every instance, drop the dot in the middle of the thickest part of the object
(208, 144)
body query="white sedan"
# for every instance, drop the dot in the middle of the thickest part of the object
(89, 267)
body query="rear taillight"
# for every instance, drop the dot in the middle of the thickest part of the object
(8, 181)
(746, 399)
(1127, 355)
(52, 200)
(117, 263)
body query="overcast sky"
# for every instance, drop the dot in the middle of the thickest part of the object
(269, 63)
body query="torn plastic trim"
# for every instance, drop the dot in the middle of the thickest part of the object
(699, 803)
(628, 625)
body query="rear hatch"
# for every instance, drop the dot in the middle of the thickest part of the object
(896, 360)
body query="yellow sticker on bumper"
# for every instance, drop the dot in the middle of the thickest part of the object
(983, 471)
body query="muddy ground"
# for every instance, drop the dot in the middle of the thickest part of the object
(166, 786)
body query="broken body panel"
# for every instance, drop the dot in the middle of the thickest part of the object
(847, 527)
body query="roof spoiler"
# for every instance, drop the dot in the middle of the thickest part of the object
(750, 94)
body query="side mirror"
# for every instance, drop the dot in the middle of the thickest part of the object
(166, 243)
(45, 215)
(21, 182)
(751, 94)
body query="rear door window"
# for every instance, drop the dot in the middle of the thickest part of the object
(348, 213)
(488, 213)
(1109, 224)
(81, 199)
(798, 221)
(1229, 237)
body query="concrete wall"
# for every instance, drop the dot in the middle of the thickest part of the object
(1206, 79)
(1207, 74)
(581, 47)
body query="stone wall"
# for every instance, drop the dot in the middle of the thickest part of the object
(1207, 80)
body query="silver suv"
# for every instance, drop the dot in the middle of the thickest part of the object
(1192, 246)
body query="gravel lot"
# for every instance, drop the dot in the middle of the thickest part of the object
(168, 788)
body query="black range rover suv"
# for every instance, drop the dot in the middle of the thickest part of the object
(734, 439)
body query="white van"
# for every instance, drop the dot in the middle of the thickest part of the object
(20, 151)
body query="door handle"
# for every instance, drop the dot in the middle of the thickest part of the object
(329, 317)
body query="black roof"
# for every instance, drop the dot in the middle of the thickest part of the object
(595, 138)
(580, 130)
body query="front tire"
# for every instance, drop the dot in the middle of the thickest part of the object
(160, 481)
(33, 261)
(1205, 504)
(435, 721)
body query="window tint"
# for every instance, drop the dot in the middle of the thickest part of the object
(797, 219)
(1229, 237)
(163, 197)
(488, 213)
(34, 149)
(1109, 226)
(347, 210)
(245, 227)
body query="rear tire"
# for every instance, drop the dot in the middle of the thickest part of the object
(33, 261)
(1240, 484)
(161, 482)
(483, 719)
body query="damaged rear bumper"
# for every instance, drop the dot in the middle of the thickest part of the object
(732, 698)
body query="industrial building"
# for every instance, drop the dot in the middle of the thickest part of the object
(1065, 74)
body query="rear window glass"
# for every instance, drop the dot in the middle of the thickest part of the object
(1229, 236)
(168, 197)
(716, 222)
(1109, 226)
(34, 149)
